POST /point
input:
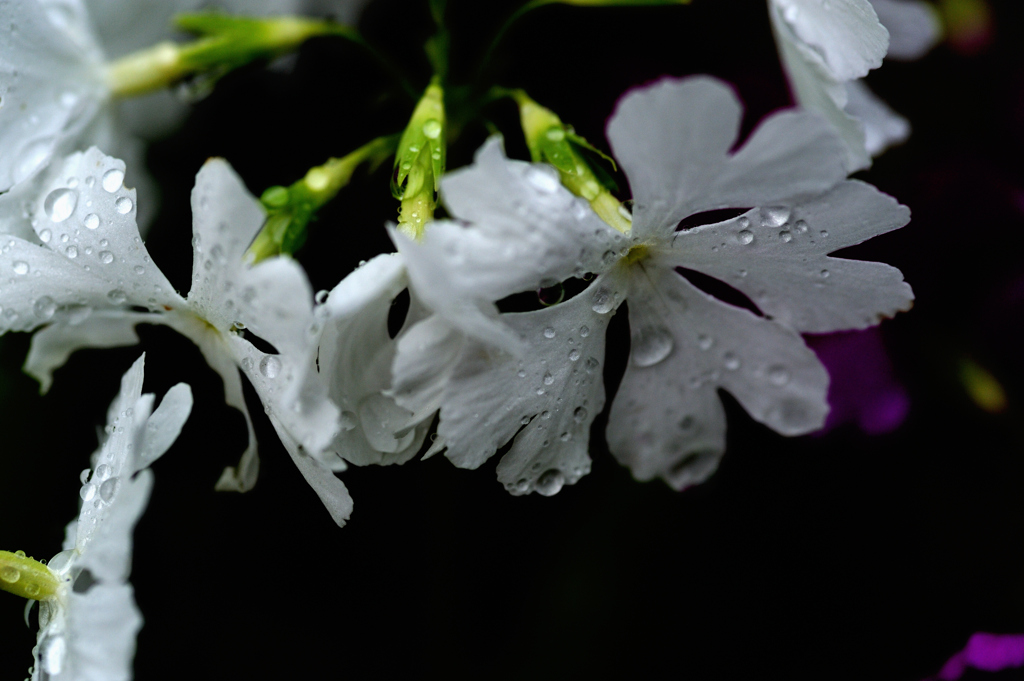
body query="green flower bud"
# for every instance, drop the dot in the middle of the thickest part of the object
(420, 162)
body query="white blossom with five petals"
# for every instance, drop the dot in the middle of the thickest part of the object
(673, 141)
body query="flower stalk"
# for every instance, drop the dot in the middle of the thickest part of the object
(26, 577)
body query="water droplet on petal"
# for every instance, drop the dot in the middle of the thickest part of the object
(84, 475)
(579, 414)
(592, 364)
(92, 221)
(824, 274)
(550, 482)
(87, 492)
(108, 489)
(102, 472)
(71, 251)
(548, 379)
(786, 236)
(731, 361)
(574, 355)
(549, 332)
(774, 216)
(60, 204)
(604, 301)
(112, 180)
(778, 375)
(44, 307)
(123, 205)
(705, 342)
(650, 345)
(20, 267)
(106, 257)
(45, 236)
(321, 297)
(584, 331)
(745, 237)
(117, 296)
(542, 179)
(270, 366)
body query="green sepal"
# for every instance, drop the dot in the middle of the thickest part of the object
(595, 159)
(422, 149)
(291, 209)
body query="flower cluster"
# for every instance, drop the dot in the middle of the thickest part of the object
(761, 215)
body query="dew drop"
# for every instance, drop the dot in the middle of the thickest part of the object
(584, 331)
(650, 345)
(106, 257)
(270, 366)
(824, 274)
(84, 475)
(549, 332)
(60, 204)
(731, 361)
(778, 375)
(117, 296)
(71, 251)
(87, 492)
(140, 270)
(112, 180)
(592, 364)
(551, 295)
(123, 205)
(102, 472)
(546, 415)
(745, 237)
(786, 236)
(321, 297)
(603, 301)
(45, 236)
(743, 222)
(108, 489)
(574, 355)
(548, 379)
(44, 307)
(801, 226)
(579, 414)
(10, 574)
(550, 482)
(704, 342)
(20, 267)
(608, 257)
(542, 180)
(432, 129)
(774, 216)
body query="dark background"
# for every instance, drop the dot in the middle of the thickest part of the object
(839, 556)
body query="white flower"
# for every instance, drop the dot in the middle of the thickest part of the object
(827, 46)
(87, 628)
(673, 141)
(87, 279)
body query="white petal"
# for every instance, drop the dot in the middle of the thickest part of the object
(292, 392)
(845, 34)
(817, 88)
(225, 220)
(914, 27)
(107, 554)
(883, 127)
(777, 257)
(53, 344)
(427, 354)
(328, 487)
(51, 84)
(555, 393)
(221, 359)
(91, 253)
(673, 140)
(165, 424)
(666, 419)
(102, 625)
(526, 230)
(355, 359)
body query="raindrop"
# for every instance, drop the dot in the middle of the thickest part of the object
(548, 379)
(824, 274)
(106, 257)
(786, 236)
(321, 296)
(774, 216)
(574, 355)
(117, 296)
(650, 345)
(21, 267)
(432, 129)
(603, 301)
(550, 482)
(123, 205)
(592, 364)
(112, 180)
(778, 375)
(270, 366)
(551, 295)
(584, 331)
(525, 420)
(824, 232)
(521, 373)
(579, 414)
(743, 222)
(102, 471)
(731, 361)
(60, 204)
(608, 257)
(218, 254)
(745, 237)
(705, 342)
(87, 492)
(545, 414)
(140, 270)
(84, 475)
(801, 226)
(71, 251)
(108, 489)
(542, 180)
(10, 574)
(549, 332)
(44, 307)
(45, 236)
